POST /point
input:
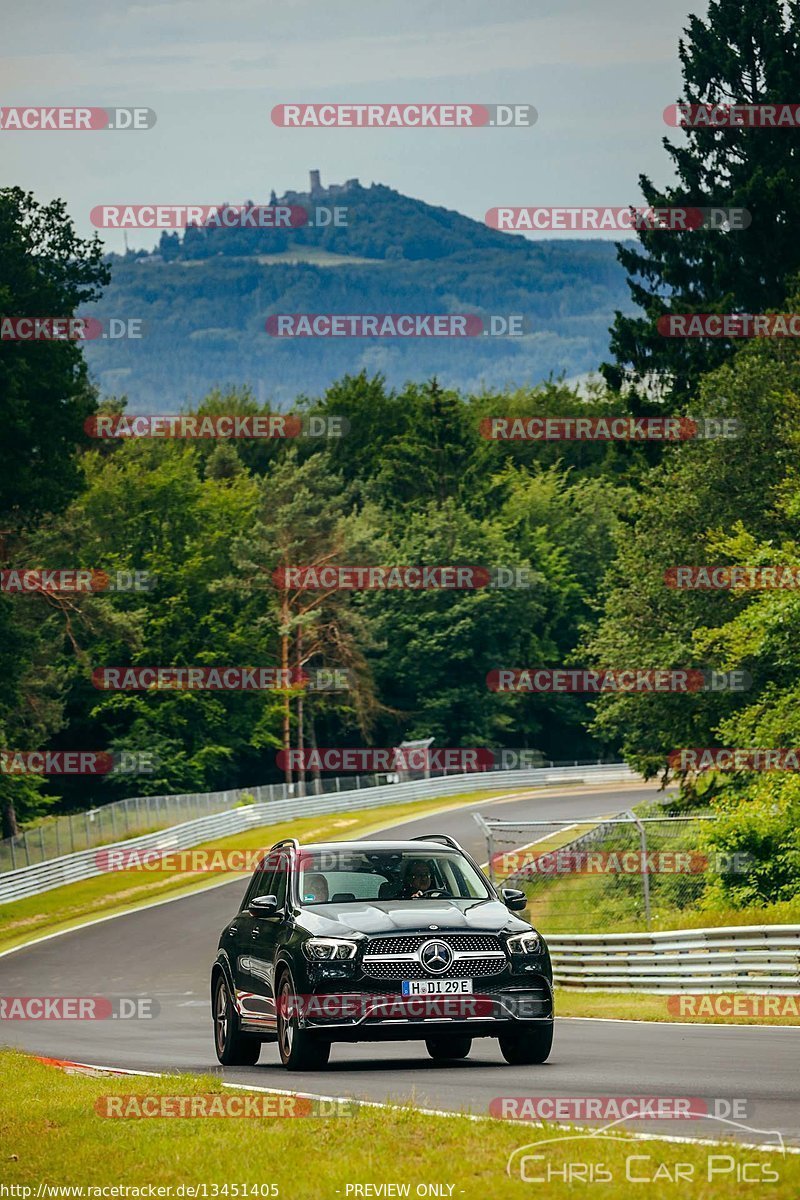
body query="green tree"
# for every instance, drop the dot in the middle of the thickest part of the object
(306, 518)
(700, 491)
(45, 395)
(745, 52)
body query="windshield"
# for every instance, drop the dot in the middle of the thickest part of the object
(338, 877)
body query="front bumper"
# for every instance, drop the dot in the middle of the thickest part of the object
(368, 1009)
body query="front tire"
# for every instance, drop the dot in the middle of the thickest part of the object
(299, 1049)
(234, 1049)
(523, 1047)
(448, 1046)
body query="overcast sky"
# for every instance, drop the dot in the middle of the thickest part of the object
(599, 74)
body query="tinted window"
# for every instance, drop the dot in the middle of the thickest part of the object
(332, 876)
(270, 879)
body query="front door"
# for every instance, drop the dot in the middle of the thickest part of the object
(257, 941)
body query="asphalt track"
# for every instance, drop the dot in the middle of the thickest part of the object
(165, 952)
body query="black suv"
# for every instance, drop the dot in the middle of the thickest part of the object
(373, 940)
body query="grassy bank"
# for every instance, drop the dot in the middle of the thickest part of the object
(612, 901)
(51, 1132)
(647, 1006)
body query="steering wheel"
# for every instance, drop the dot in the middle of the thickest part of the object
(436, 892)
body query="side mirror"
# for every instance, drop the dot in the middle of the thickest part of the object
(514, 899)
(263, 906)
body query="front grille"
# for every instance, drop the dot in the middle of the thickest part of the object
(469, 968)
(407, 943)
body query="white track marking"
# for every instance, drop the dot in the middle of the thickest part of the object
(439, 1112)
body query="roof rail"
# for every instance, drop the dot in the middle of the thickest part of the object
(437, 837)
(293, 842)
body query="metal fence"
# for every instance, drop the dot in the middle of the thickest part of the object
(56, 836)
(110, 823)
(626, 870)
(86, 863)
(750, 958)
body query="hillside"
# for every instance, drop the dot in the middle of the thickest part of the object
(204, 297)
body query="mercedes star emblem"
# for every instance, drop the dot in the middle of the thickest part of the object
(436, 956)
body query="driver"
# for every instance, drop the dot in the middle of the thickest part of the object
(315, 889)
(418, 879)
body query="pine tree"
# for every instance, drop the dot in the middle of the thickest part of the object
(746, 52)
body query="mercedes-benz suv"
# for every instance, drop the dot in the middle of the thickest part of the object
(379, 940)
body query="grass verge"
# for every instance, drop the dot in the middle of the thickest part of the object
(122, 891)
(648, 1006)
(613, 901)
(51, 1133)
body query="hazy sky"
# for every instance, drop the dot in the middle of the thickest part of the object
(599, 73)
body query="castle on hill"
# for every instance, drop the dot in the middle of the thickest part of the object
(316, 189)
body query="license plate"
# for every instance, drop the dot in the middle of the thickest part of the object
(437, 987)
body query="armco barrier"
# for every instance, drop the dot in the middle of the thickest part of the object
(41, 877)
(752, 958)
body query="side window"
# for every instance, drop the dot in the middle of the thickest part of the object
(262, 875)
(278, 880)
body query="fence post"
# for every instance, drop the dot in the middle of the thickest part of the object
(487, 833)
(645, 874)
(41, 842)
(86, 823)
(25, 845)
(71, 833)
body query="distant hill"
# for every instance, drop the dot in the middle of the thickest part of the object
(205, 296)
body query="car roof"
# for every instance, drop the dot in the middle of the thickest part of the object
(367, 846)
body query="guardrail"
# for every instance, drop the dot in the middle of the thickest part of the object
(137, 815)
(753, 958)
(86, 864)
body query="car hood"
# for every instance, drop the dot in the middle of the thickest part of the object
(410, 916)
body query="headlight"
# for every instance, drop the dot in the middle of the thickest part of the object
(321, 949)
(525, 943)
